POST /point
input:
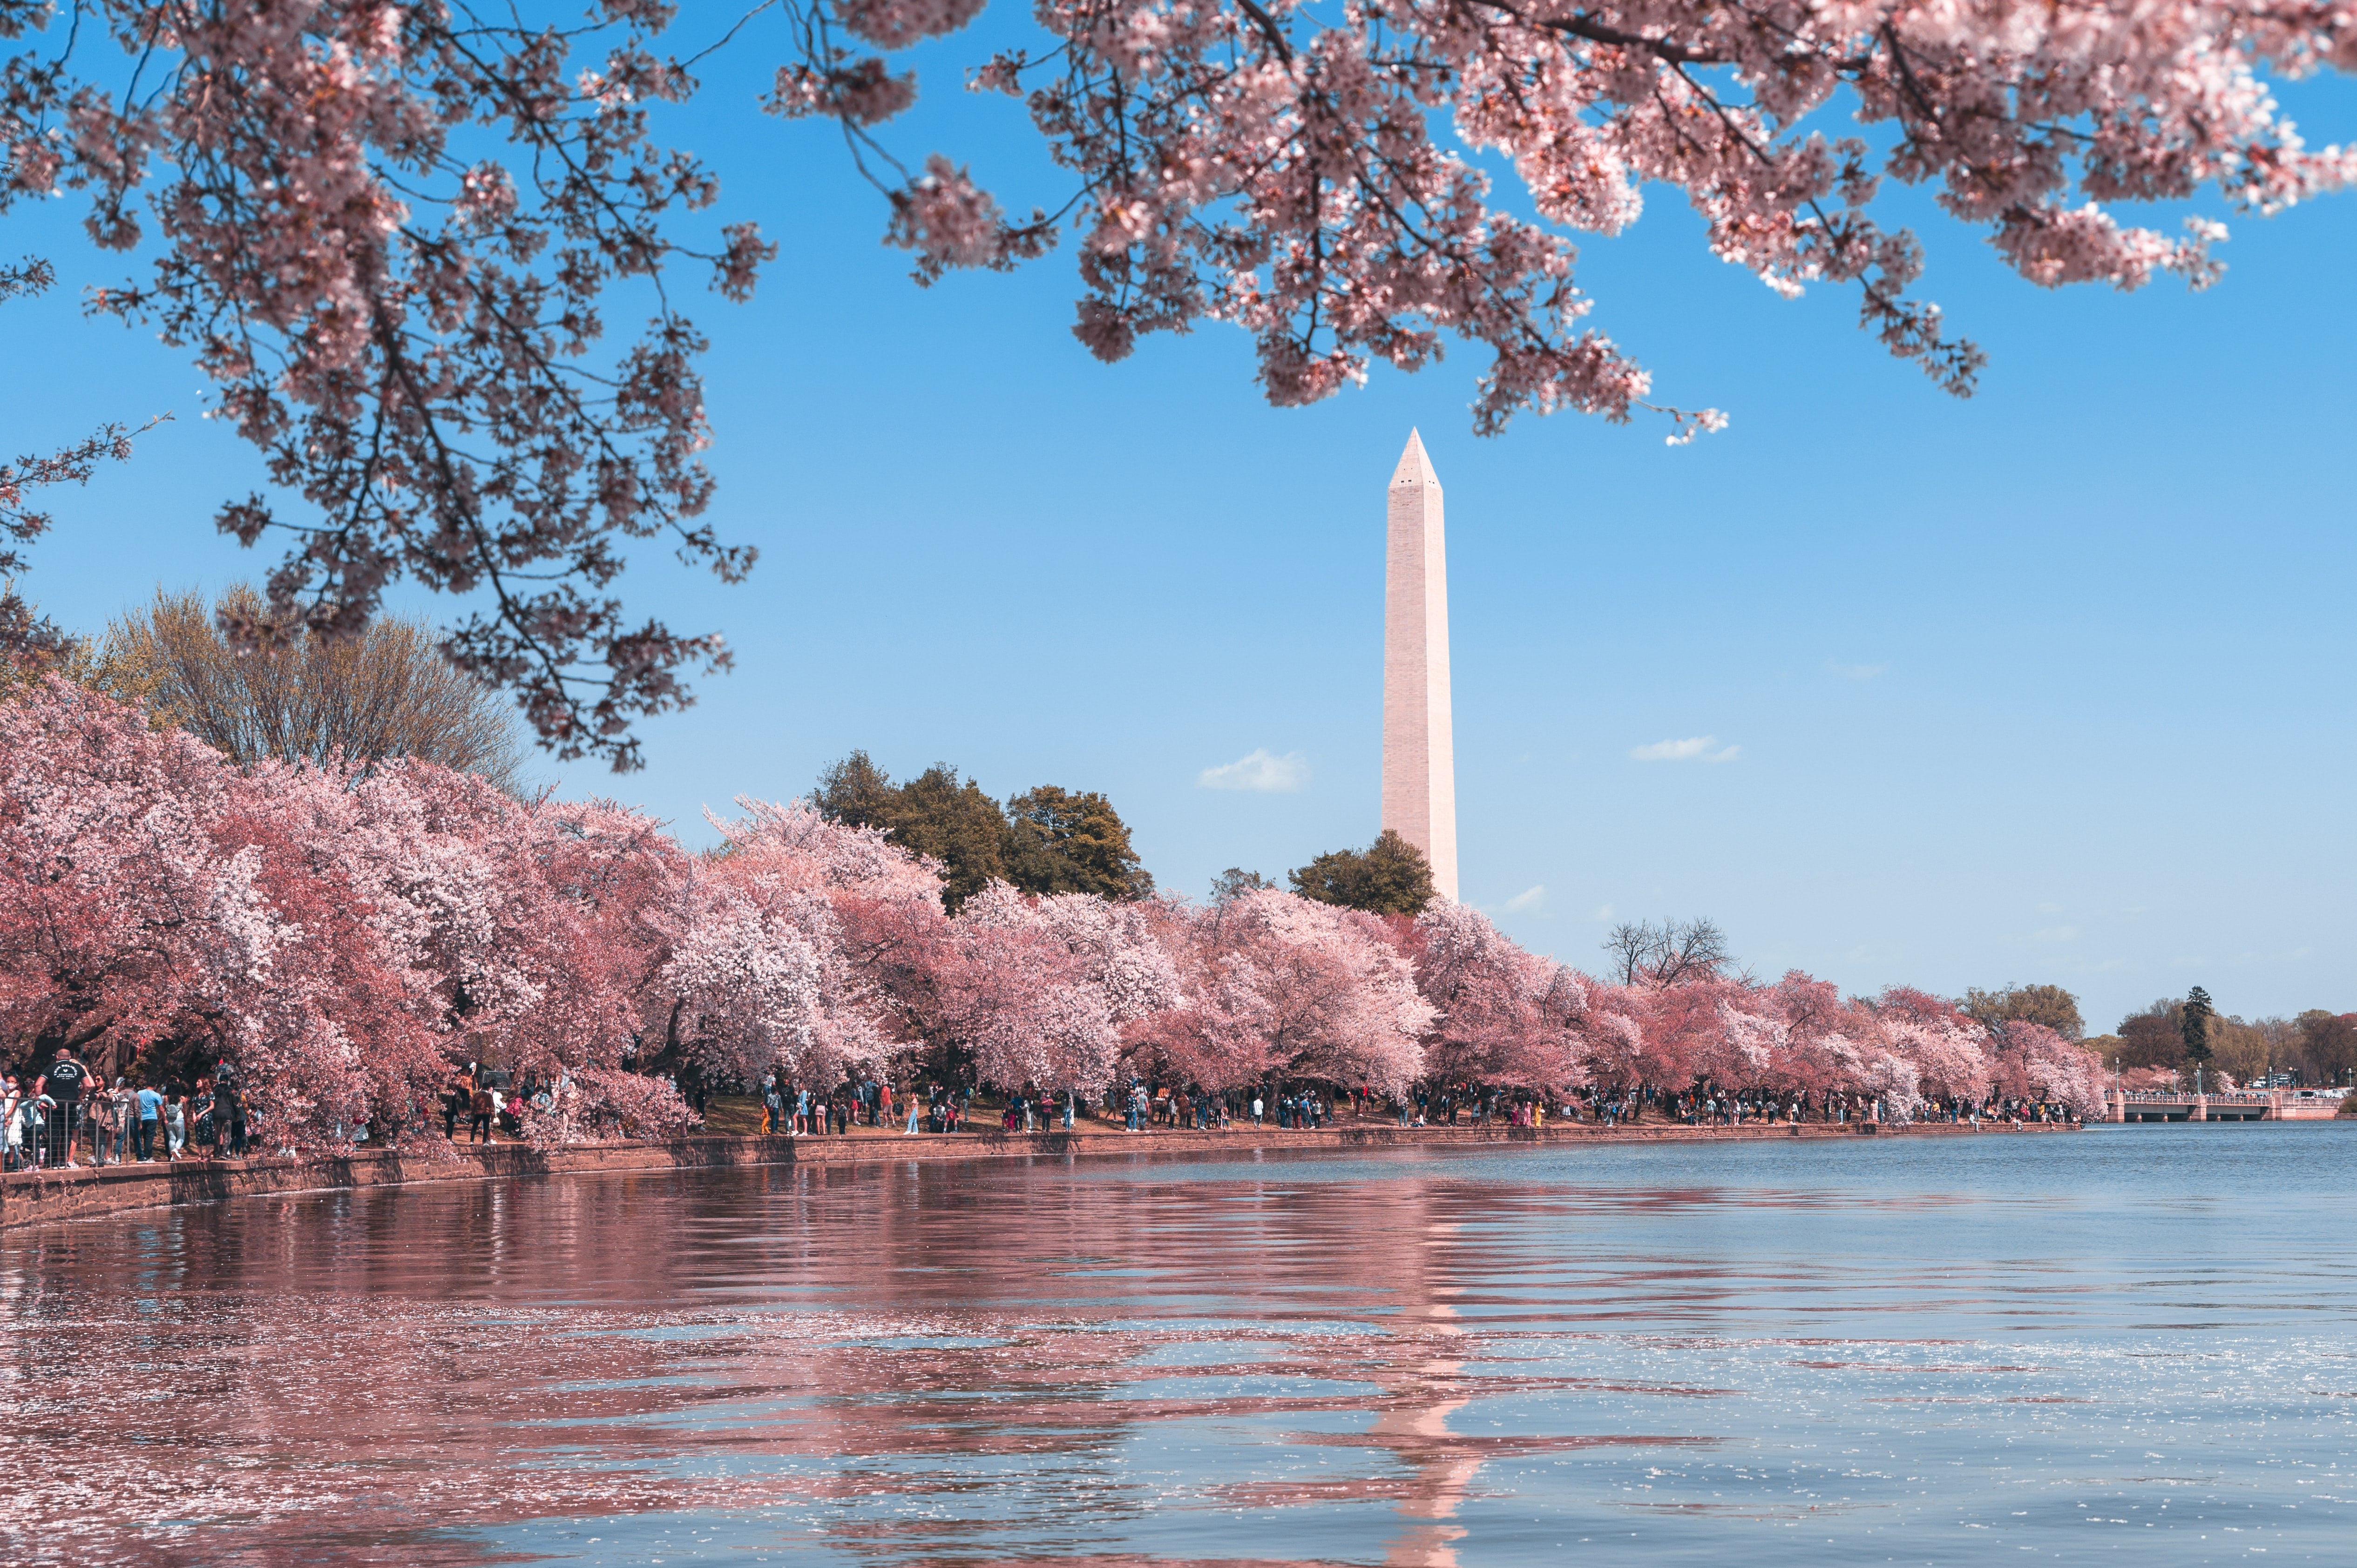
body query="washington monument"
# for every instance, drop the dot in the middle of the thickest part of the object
(1419, 763)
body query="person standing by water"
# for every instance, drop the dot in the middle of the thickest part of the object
(99, 1120)
(126, 1118)
(176, 1126)
(200, 1113)
(229, 1114)
(149, 1104)
(63, 1083)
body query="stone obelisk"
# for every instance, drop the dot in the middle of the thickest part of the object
(1419, 762)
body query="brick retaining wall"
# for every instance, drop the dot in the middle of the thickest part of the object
(31, 1196)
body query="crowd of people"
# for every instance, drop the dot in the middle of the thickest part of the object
(60, 1112)
(63, 1112)
(341, 935)
(1140, 1106)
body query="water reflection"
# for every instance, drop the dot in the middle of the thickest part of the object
(1417, 1360)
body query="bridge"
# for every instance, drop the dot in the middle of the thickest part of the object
(2235, 1105)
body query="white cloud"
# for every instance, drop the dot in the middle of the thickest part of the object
(1258, 770)
(1855, 671)
(1527, 900)
(2056, 934)
(1603, 912)
(1696, 748)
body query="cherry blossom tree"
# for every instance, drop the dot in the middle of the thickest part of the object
(599, 1103)
(1645, 1034)
(2033, 1062)
(1505, 1016)
(802, 942)
(120, 919)
(1278, 986)
(1949, 1050)
(388, 231)
(347, 1028)
(759, 971)
(344, 935)
(1045, 984)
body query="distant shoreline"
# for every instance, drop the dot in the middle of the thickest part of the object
(31, 1198)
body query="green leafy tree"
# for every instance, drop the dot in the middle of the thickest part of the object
(1236, 882)
(1061, 840)
(854, 793)
(2107, 1047)
(1390, 876)
(2193, 1026)
(2048, 1004)
(2240, 1050)
(2154, 1037)
(937, 813)
(2328, 1045)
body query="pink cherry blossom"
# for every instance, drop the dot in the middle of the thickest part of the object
(1505, 1017)
(346, 936)
(386, 232)
(1282, 987)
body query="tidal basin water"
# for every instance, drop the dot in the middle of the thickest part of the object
(2131, 1344)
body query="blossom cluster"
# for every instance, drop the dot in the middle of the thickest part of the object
(390, 232)
(347, 936)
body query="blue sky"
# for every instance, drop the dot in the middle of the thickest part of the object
(2053, 684)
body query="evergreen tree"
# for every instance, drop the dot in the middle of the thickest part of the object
(2195, 1026)
(1061, 840)
(854, 793)
(935, 813)
(1047, 840)
(1390, 876)
(1236, 882)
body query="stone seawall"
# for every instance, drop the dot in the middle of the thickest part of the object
(31, 1197)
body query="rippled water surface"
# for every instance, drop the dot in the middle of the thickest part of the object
(2135, 1342)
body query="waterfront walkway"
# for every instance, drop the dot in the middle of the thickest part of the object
(29, 1196)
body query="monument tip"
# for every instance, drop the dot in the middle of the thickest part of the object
(1415, 468)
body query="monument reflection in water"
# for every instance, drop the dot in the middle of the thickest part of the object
(1928, 1350)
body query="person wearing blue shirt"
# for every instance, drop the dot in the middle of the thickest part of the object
(151, 1112)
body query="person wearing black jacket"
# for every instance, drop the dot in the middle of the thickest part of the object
(229, 1114)
(63, 1083)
